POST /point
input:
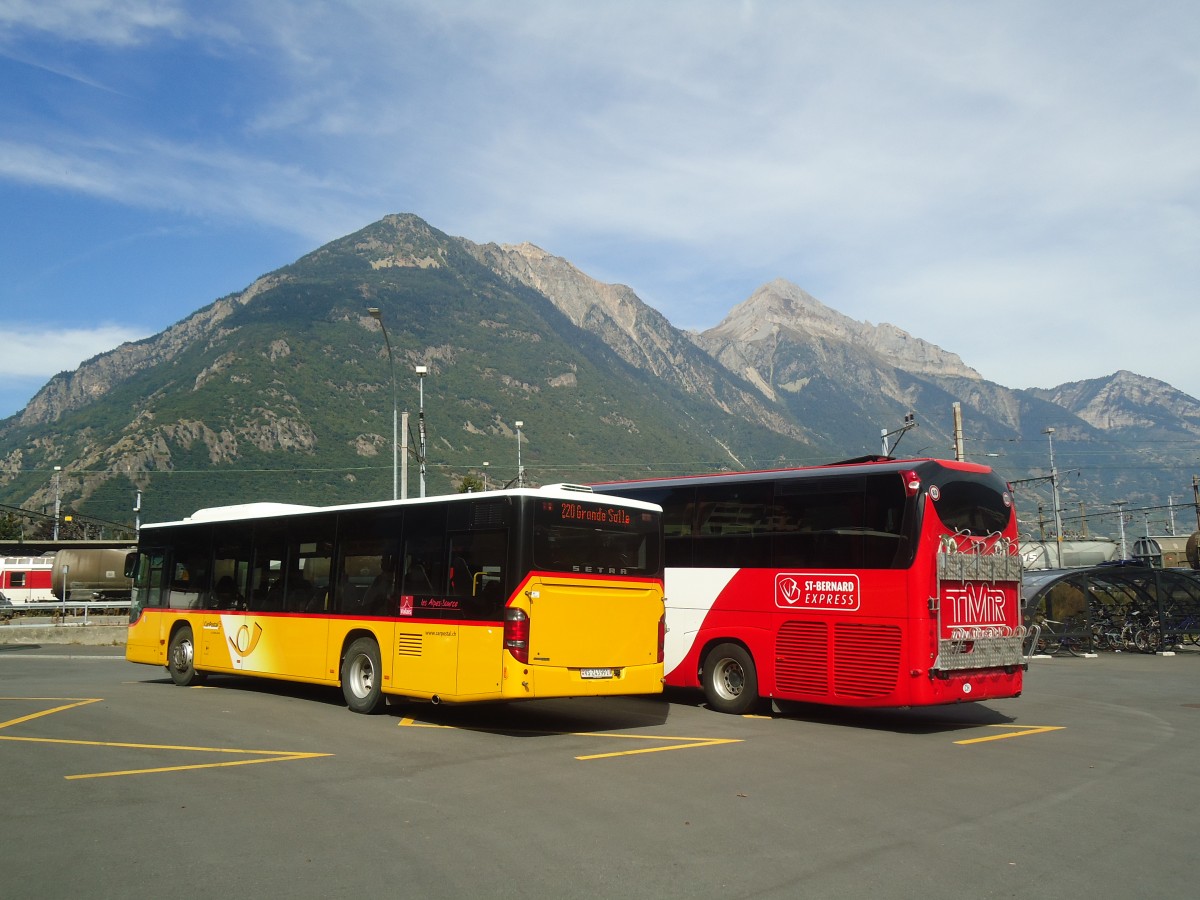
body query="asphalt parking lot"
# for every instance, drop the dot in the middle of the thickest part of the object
(118, 783)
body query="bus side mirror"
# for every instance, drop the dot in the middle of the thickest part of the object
(131, 564)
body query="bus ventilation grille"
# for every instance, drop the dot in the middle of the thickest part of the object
(802, 658)
(866, 659)
(408, 644)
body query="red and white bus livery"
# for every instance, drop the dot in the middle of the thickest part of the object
(881, 583)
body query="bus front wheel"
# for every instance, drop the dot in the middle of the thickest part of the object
(362, 676)
(730, 682)
(181, 658)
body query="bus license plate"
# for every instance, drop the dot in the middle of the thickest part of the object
(595, 673)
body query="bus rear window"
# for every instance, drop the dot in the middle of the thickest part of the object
(973, 507)
(596, 538)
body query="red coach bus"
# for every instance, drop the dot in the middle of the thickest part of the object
(875, 582)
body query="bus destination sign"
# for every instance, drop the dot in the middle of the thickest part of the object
(599, 515)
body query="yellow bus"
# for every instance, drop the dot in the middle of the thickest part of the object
(500, 595)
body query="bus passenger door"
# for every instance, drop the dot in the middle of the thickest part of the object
(146, 642)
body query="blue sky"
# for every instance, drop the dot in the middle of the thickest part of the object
(1017, 182)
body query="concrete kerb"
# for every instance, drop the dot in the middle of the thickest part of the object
(69, 633)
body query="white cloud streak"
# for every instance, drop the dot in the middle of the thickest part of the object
(43, 350)
(119, 23)
(960, 170)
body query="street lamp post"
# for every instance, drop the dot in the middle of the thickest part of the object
(520, 468)
(378, 317)
(421, 371)
(1049, 432)
(485, 471)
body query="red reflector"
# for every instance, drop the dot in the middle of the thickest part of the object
(912, 483)
(516, 633)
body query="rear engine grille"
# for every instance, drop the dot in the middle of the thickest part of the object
(866, 659)
(802, 658)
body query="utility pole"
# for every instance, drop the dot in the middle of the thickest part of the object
(1119, 504)
(1196, 493)
(421, 371)
(404, 455)
(959, 455)
(1049, 432)
(57, 499)
(520, 468)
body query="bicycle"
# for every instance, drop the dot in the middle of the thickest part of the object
(1133, 633)
(1047, 641)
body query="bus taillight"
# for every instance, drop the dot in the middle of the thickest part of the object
(516, 633)
(662, 637)
(912, 483)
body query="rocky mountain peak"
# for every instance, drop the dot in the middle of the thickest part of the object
(779, 304)
(782, 308)
(1126, 400)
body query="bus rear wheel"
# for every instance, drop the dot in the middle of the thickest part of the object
(181, 658)
(729, 679)
(362, 676)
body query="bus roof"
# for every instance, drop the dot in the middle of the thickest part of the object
(850, 466)
(265, 510)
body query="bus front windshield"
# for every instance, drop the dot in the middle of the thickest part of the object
(596, 538)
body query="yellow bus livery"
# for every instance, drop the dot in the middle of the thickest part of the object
(501, 595)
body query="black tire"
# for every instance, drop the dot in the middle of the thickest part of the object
(362, 676)
(181, 658)
(730, 680)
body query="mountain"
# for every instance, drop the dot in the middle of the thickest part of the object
(1129, 404)
(283, 391)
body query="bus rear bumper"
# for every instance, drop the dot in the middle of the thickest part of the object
(524, 681)
(969, 686)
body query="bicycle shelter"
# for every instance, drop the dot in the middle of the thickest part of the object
(1077, 599)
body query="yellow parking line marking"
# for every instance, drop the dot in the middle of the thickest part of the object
(44, 712)
(264, 755)
(1024, 730)
(688, 742)
(267, 755)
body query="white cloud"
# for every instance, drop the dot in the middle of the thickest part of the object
(960, 170)
(42, 351)
(114, 22)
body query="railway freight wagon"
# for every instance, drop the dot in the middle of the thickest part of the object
(91, 574)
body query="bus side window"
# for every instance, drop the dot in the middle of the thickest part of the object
(425, 565)
(477, 565)
(189, 579)
(424, 558)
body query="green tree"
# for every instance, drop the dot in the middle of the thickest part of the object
(10, 527)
